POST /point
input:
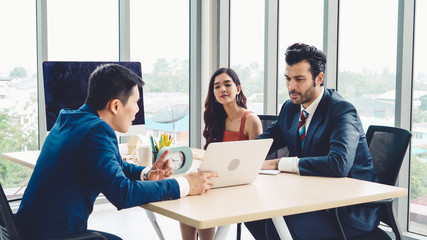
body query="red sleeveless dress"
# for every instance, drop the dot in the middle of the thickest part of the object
(236, 136)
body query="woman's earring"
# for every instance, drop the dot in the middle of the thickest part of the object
(237, 97)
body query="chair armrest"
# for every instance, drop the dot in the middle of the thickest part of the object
(382, 201)
(14, 199)
(88, 235)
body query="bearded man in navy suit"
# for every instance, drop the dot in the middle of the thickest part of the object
(325, 137)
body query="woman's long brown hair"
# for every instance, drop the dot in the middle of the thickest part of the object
(215, 115)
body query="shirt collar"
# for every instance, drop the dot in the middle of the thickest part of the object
(313, 106)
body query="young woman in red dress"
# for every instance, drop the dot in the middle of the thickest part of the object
(226, 119)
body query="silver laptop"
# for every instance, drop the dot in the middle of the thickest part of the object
(237, 162)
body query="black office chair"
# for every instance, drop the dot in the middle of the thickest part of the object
(388, 147)
(8, 229)
(266, 121)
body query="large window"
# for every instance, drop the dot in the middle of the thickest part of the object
(18, 89)
(247, 49)
(159, 33)
(83, 30)
(88, 30)
(418, 185)
(293, 30)
(367, 58)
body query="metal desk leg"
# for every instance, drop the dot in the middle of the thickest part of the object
(282, 228)
(221, 232)
(153, 221)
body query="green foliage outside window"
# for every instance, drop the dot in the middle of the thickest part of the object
(15, 137)
(167, 76)
(418, 177)
(353, 85)
(18, 72)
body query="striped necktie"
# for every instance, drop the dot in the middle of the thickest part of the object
(301, 126)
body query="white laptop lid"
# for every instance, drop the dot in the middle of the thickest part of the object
(237, 162)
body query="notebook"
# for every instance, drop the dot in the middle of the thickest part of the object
(237, 162)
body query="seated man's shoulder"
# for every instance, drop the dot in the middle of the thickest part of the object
(337, 101)
(94, 124)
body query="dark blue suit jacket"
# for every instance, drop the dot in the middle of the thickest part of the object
(335, 146)
(79, 160)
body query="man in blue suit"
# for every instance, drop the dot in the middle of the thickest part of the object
(325, 137)
(80, 159)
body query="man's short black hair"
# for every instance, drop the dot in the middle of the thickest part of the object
(302, 52)
(111, 81)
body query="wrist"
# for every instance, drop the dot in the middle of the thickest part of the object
(144, 173)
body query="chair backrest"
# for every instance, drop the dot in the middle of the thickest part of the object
(8, 228)
(388, 146)
(266, 121)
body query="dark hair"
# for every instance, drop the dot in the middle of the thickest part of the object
(111, 81)
(215, 114)
(302, 52)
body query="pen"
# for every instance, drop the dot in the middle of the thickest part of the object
(160, 142)
(152, 143)
(157, 146)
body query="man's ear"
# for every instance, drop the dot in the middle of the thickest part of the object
(319, 79)
(114, 106)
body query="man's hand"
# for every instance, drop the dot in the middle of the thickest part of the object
(161, 169)
(271, 164)
(200, 182)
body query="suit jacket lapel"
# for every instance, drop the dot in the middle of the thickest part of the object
(317, 119)
(293, 131)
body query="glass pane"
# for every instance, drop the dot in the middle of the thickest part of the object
(367, 58)
(160, 41)
(18, 89)
(418, 187)
(309, 31)
(247, 49)
(83, 30)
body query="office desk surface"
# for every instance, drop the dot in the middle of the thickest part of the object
(269, 196)
(28, 158)
(272, 196)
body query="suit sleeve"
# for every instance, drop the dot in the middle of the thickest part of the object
(343, 143)
(107, 174)
(132, 171)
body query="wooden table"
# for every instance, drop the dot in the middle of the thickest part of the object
(28, 158)
(271, 197)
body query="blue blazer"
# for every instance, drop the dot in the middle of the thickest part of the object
(79, 160)
(335, 146)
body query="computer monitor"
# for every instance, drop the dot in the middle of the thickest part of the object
(65, 86)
